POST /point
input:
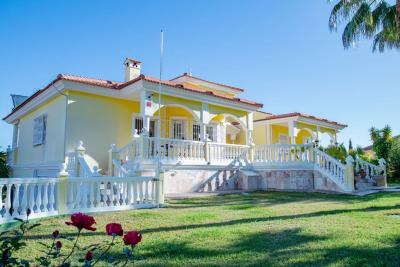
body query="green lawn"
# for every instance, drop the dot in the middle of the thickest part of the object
(280, 229)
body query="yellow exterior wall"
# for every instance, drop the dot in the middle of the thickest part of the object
(52, 152)
(300, 135)
(276, 130)
(208, 89)
(312, 127)
(260, 134)
(168, 114)
(99, 122)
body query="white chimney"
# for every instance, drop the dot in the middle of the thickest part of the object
(132, 69)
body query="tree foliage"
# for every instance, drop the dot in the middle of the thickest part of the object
(394, 160)
(3, 164)
(376, 20)
(337, 151)
(382, 141)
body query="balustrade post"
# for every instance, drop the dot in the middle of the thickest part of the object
(160, 188)
(79, 152)
(382, 169)
(143, 145)
(62, 195)
(112, 155)
(349, 174)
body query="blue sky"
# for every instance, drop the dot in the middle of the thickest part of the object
(281, 52)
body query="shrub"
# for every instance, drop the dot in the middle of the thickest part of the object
(3, 164)
(394, 161)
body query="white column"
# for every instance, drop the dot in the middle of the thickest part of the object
(291, 126)
(147, 108)
(249, 128)
(268, 131)
(15, 136)
(204, 118)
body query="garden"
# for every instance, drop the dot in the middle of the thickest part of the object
(261, 228)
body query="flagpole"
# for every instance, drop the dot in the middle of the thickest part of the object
(159, 102)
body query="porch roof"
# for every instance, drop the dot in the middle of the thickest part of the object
(113, 85)
(302, 115)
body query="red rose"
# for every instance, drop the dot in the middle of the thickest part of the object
(56, 233)
(58, 244)
(82, 221)
(132, 238)
(114, 229)
(89, 256)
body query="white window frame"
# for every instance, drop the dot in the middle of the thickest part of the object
(134, 117)
(214, 138)
(185, 126)
(39, 130)
(198, 124)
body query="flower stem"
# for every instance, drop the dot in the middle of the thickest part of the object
(105, 251)
(73, 248)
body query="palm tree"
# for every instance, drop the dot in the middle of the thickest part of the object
(377, 20)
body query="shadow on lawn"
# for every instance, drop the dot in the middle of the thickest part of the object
(284, 248)
(273, 198)
(243, 221)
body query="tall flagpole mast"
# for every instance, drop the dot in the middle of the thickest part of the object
(159, 101)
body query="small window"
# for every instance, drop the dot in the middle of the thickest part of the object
(212, 133)
(196, 132)
(39, 130)
(178, 127)
(137, 124)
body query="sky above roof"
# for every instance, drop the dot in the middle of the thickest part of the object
(280, 52)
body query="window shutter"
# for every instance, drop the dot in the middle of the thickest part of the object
(39, 130)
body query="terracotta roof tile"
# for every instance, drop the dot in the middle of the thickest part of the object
(120, 85)
(295, 114)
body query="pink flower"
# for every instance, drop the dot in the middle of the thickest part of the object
(132, 238)
(82, 221)
(58, 244)
(114, 229)
(89, 256)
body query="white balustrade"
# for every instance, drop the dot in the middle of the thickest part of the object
(174, 149)
(370, 169)
(111, 193)
(330, 166)
(276, 154)
(20, 194)
(130, 151)
(226, 152)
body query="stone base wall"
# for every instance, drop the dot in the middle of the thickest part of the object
(295, 180)
(210, 180)
(185, 181)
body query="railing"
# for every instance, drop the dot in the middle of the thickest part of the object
(331, 167)
(112, 193)
(20, 194)
(174, 150)
(130, 151)
(51, 196)
(217, 152)
(276, 154)
(370, 169)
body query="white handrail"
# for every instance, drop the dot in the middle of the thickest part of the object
(369, 168)
(218, 152)
(273, 154)
(39, 195)
(174, 149)
(331, 167)
(51, 196)
(129, 151)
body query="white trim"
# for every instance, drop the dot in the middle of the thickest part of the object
(199, 97)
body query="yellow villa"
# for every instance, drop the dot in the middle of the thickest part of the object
(201, 135)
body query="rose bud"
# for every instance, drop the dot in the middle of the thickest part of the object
(56, 234)
(58, 244)
(89, 256)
